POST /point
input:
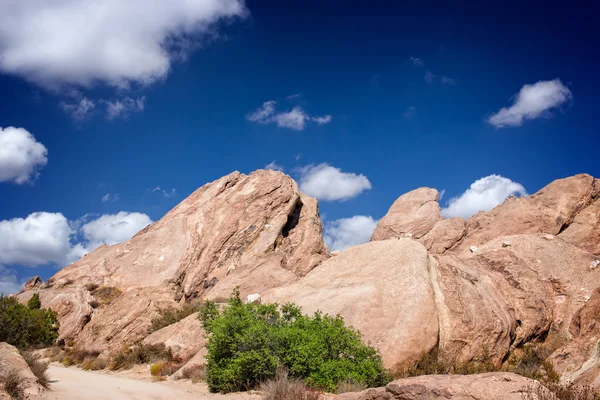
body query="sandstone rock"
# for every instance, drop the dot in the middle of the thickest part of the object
(254, 231)
(185, 338)
(413, 213)
(496, 385)
(584, 231)
(198, 359)
(444, 234)
(32, 283)
(550, 210)
(381, 288)
(10, 359)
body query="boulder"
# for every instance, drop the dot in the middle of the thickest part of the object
(444, 234)
(414, 214)
(495, 385)
(11, 360)
(381, 288)
(584, 231)
(32, 283)
(185, 338)
(550, 210)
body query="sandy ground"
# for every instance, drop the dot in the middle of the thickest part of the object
(76, 384)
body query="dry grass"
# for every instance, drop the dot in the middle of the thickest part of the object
(196, 373)
(349, 387)
(105, 295)
(284, 388)
(140, 354)
(164, 368)
(554, 391)
(12, 385)
(432, 364)
(38, 368)
(169, 316)
(90, 287)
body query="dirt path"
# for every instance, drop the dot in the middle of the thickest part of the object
(76, 384)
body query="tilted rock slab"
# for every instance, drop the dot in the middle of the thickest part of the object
(10, 359)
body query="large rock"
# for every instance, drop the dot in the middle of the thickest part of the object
(185, 338)
(550, 210)
(11, 360)
(381, 288)
(490, 386)
(444, 234)
(413, 213)
(584, 231)
(254, 231)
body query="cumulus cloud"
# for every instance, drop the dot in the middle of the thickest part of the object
(79, 42)
(347, 232)
(531, 102)
(295, 119)
(483, 195)
(113, 228)
(124, 107)
(416, 61)
(274, 166)
(9, 284)
(49, 238)
(328, 183)
(21, 156)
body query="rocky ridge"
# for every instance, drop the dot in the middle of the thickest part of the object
(524, 272)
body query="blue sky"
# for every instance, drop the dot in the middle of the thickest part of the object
(389, 96)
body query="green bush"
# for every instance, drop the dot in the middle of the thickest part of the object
(249, 343)
(22, 326)
(34, 302)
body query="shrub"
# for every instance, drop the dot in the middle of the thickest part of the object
(105, 295)
(22, 326)
(531, 361)
(164, 368)
(169, 316)
(90, 287)
(140, 354)
(284, 388)
(12, 385)
(432, 364)
(34, 302)
(249, 342)
(196, 373)
(554, 391)
(38, 368)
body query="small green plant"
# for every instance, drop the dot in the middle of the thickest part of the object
(170, 316)
(23, 326)
(248, 343)
(34, 302)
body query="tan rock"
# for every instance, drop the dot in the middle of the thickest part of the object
(381, 288)
(10, 360)
(185, 338)
(413, 213)
(444, 234)
(549, 211)
(495, 385)
(32, 283)
(584, 231)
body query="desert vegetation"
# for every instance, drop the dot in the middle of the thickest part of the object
(249, 343)
(140, 354)
(24, 326)
(171, 315)
(103, 295)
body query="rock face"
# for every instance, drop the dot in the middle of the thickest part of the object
(254, 231)
(413, 213)
(382, 288)
(185, 338)
(10, 360)
(496, 385)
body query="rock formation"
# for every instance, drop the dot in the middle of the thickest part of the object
(11, 360)
(524, 272)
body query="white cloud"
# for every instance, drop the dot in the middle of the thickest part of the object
(9, 284)
(447, 81)
(21, 156)
(113, 228)
(483, 195)
(429, 77)
(416, 61)
(274, 166)
(124, 107)
(410, 112)
(49, 238)
(328, 183)
(79, 108)
(531, 102)
(295, 118)
(165, 193)
(79, 42)
(39, 239)
(110, 197)
(346, 232)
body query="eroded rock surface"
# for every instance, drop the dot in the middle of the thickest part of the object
(11, 360)
(185, 338)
